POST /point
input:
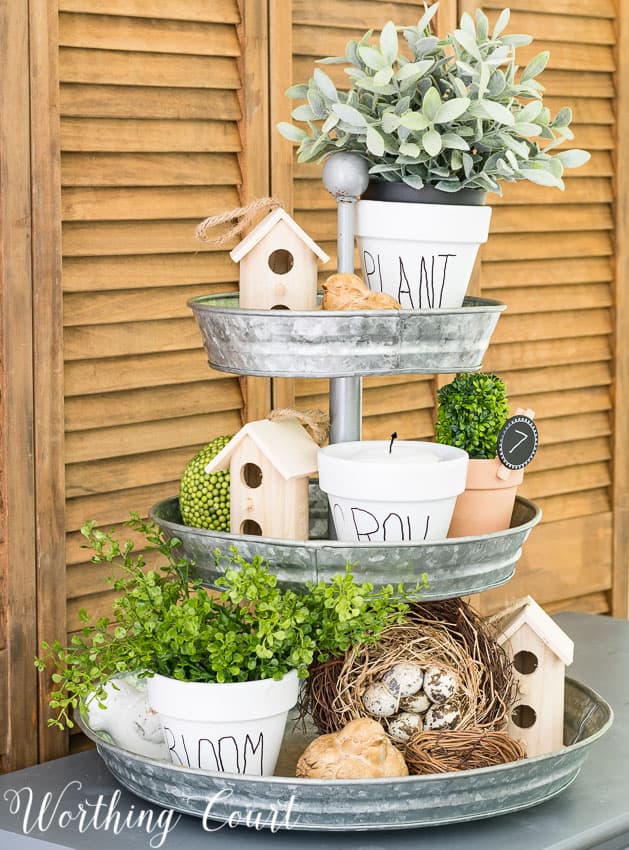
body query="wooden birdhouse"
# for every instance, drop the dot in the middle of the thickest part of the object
(540, 652)
(269, 464)
(278, 265)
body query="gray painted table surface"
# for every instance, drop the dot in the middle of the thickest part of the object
(592, 813)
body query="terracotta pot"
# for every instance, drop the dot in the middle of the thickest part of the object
(487, 503)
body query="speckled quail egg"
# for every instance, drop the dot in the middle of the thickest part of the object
(404, 726)
(439, 684)
(404, 679)
(379, 701)
(443, 716)
(417, 704)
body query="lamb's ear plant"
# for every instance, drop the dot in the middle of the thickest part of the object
(457, 113)
(472, 410)
(164, 622)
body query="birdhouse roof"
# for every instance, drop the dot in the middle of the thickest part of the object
(266, 225)
(526, 611)
(285, 444)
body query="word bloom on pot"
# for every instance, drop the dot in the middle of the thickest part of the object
(390, 491)
(222, 669)
(229, 727)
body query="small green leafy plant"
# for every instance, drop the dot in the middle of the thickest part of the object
(472, 410)
(164, 622)
(457, 114)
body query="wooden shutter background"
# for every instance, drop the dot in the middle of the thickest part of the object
(151, 143)
(165, 112)
(550, 259)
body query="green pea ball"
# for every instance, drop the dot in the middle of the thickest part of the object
(203, 498)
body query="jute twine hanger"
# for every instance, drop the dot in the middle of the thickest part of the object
(243, 216)
(316, 422)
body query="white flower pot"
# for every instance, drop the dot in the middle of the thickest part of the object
(421, 254)
(231, 728)
(406, 494)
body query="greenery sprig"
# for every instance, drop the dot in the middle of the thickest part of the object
(457, 114)
(472, 410)
(164, 622)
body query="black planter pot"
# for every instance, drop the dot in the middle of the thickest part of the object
(401, 193)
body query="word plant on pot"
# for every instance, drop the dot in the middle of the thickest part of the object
(222, 669)
(443, 126)
(472, 412)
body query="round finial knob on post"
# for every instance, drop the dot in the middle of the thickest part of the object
(346, 175)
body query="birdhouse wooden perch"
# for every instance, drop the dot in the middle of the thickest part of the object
(278, 265)
(269, 464)
(540, 652)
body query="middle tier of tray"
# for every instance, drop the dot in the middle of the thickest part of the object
(331, 344)
(454, 566)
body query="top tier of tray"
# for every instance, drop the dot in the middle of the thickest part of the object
(331, 344)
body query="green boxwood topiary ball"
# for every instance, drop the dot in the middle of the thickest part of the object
(203, 498)
(472, 410)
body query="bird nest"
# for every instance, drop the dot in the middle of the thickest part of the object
(460, 749)
(449, 635)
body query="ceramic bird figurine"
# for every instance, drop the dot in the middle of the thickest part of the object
(345, 291)
(361, 750)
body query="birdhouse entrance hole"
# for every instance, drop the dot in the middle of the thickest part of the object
(251, 475)
(281, 261)
(524, 716)
(525, 662)
(250, 526)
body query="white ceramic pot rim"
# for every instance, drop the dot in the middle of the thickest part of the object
(341, 476)
(215, 702)
(454, 224)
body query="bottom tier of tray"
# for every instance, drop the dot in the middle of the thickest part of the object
(454, 566)
(373, 804)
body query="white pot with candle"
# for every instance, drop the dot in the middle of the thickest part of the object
(382, 491)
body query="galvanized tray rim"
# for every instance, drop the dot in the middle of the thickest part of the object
(262, 373)
(316, 343)
(437, 777)
(471, 303)
(382, 826)
(344, 544)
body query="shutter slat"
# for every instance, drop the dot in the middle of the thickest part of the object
(78, 100)
(218, 11)
(153, 35)
(102, 135)
(150, 105)
(124, 68)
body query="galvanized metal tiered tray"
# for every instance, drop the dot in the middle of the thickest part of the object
(369, 804)
(455, 566)
(331, 344)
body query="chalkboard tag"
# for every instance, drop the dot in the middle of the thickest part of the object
(517, 442)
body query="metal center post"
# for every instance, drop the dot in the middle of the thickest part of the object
(345, 177)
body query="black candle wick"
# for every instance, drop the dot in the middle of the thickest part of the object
(393, 437)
